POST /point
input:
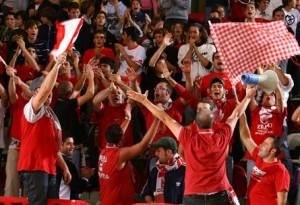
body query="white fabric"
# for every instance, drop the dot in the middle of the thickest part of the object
(285, 90)
(292, 18)
(273, 5)
(70, 30)
(114, 26)
(138, 55)
(207, 50)
(64, 190)
(32, 117)
(262, 15)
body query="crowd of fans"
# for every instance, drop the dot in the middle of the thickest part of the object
(79, 126)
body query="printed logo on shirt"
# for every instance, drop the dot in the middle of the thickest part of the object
(102, 160)
(289, 19)
(257, 174)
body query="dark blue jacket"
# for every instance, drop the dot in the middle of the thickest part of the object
(174, 185)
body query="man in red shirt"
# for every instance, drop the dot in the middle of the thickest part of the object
(115, 173)
(204, 149)
(40, 142)
(221, 72)
(99, 50)
(269, 182)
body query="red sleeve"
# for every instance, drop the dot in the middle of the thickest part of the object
(225, 133)
(183, 136)
(282, 181)
(187, 96)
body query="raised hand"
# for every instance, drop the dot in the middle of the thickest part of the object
(138, 97)
(115, 78)
(187, 65)
(131, 74)
(10, 71)
(61, 58)
(19, 40)
(168, 39)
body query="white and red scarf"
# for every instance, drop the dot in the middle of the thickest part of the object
(173, 164)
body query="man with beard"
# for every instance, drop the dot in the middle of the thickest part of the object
(204, 149)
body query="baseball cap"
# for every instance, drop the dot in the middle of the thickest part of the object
(36, 83)
(167, 143)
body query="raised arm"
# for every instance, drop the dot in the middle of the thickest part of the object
(245, 135)
(128, 153)
(172, 124)
(103, 94)
(166, 42)
(27, 55)
(241, 107)
(46, 88)
(89, 93)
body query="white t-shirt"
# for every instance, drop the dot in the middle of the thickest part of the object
(64, 190)
(207, 50)
(292, 18)
(114, 26)
(138, 55)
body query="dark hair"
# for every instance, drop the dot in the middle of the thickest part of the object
(73, 5)
(207, 101)
(159, 31)
(114, 133)
(202, 31)
(30, 23)
(216, 80)
(279, 8)
(108, 61)
(10, 13)
(63, 89)
(85, 5)
(132, 32)
(49, 13)
(102, 12)
(169, 87)
(22, 14)
(64, 138)
(99, 32)
(276, 144)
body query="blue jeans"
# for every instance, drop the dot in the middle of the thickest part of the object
(40, 186)
(220, 198)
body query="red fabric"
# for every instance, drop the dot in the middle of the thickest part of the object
(40, 143)
(266, 180)
(117, 186)
(26, 72)
(243, 47)
(186, 95)
(108, 116)
(175, 112)
(205, 155)
(237, 10)
(223, 109)
(264, 122)
(90, 53)
(239, 181)
(16, 110)
(225, 76)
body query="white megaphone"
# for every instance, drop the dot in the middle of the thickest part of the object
(268, 81)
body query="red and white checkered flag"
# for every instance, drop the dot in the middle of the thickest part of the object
(243, 47)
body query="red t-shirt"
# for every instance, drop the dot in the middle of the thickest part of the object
(16, 110)
(266, 180)
(90, 53)
(205, 84)
(108, 116)
(237, 11)
(175, 111)
(223, 110)
(266, 121)
(26, 72)
(116, 186)
(205, 155)
(40, 140)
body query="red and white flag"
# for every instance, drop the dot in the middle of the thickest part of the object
(66, 35)
(243, 47)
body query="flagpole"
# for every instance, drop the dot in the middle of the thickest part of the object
(3, 61)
